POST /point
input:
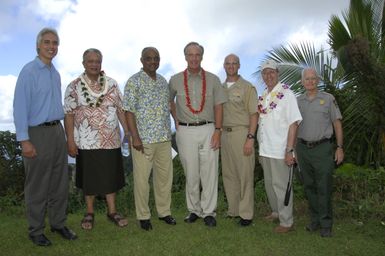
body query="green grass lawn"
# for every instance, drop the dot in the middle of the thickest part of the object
(193, 239)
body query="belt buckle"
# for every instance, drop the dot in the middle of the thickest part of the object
(229, 129)
(309, 144)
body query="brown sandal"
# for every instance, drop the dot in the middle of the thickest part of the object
(87, 222)
(117, 219)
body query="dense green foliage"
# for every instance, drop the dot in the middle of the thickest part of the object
(11, 169)
(359, 191)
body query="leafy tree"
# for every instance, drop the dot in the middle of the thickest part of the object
(358, 41)
(11, 167)
(353, 71)
(293, 58)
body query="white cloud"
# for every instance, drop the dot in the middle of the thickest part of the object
(121, 29)
(50, 9)
(7, 87)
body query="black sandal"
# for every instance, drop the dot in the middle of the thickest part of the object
(117, 219)
(87, 222)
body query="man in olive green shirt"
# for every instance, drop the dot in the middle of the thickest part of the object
(198, 120)
(240, 119)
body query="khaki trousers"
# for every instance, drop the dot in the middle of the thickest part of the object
(200, 164)
(157, 156)
(276, 176)
(238, 173)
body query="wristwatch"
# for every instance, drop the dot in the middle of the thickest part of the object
(250, 136)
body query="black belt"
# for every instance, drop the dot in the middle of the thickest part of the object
(312, 144)
(52, 123)
(195, 123)
(234, 128)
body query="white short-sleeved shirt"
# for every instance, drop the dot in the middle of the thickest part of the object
(277, 111)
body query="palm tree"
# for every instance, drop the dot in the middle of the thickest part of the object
(358, 42)
(354, 72)
(293, 58)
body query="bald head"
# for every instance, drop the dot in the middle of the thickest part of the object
(231, 65)
(231, 58)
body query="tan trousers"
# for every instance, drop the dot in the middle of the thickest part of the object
(238, 173)
(157, 156)
(276, 176)
(200, 164)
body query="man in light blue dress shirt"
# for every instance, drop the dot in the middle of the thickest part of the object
(37, 111)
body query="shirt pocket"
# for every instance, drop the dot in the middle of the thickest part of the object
(322, 111)
(235, 97)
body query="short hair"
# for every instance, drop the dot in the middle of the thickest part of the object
(195, 44)
(44, 31)
(98, 52)
(309, 68)
(145, 49)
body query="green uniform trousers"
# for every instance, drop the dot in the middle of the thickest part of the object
(317, 166)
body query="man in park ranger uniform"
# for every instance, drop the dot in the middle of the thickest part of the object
(238, 136)
(316, 160)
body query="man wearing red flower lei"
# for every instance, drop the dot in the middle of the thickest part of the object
(197, 112)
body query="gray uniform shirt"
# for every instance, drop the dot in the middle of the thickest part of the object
(318, 116)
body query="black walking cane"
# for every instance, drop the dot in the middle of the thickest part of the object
(289, 185)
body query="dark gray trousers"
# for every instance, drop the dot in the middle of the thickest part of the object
(317, 166)
(46, 179)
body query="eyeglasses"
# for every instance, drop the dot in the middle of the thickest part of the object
(231, 63)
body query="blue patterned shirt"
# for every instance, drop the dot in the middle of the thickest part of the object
(148, 99)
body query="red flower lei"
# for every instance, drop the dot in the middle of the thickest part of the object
(188, 100)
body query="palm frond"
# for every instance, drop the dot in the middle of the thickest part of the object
(293, 58)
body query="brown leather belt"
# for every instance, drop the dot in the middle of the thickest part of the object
(312, 144)
(195, 123)
(51, 123)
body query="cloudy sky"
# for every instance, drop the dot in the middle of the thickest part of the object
(122, 28)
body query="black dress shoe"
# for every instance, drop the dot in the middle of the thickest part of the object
(40, 240)
(311, 227)
(245, 222)
(210, 221)
(326, 232)
(231, 217)
(145, 224)
(168, 219)
(65, 232)
(191, 218)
